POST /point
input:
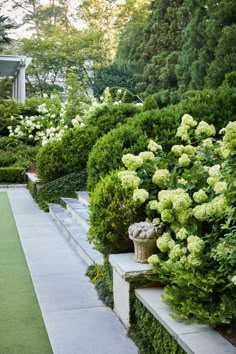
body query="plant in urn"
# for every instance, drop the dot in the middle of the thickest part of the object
(144, 235)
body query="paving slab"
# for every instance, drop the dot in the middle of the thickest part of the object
(93, 331)
(76, 320)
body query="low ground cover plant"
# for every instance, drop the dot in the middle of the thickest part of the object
(191, 191)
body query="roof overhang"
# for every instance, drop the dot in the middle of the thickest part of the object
(9, 64)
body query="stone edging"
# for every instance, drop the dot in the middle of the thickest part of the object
(193, 338)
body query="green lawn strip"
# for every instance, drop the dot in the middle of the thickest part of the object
(22, 329)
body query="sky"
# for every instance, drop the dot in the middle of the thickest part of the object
(17, 15)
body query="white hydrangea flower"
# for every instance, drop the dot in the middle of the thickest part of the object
(153, 146)
(165, 243)
(183, 132)
(132, 162)
(233, 279)
(182, 234)
(129, 179)
(188, 120)
(177, 150)
(214, 170)
(140, 195)
(200, 196)
(153, 205)
(161, 177)
(220, 187)
(205, 129)
(184, 160)
(147, 155)
(189, 149)
(195, 244)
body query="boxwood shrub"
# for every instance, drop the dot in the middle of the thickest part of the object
(12, 174)
(112, 210)
(70, 154)
(214, 106)
(110, 116)
(130, 138)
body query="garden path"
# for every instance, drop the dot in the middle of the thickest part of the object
(77, 322)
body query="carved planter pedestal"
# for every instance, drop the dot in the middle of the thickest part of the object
(143, 248)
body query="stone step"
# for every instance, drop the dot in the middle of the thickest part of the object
(78, 211)
(76, 234)
(83, 197)
(193, 338)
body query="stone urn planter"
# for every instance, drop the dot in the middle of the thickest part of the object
(144, 235)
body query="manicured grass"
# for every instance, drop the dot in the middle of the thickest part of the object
(22, 329)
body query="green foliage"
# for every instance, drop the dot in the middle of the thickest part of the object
(191, 192)
(150, 336)
(6, 25)
(70, 154)
(15, 153)
(12, 174)
(225, 57)
(213, 106)
(180, 46)
(5, 88)
(52, 192)
(191, 66)
(230, 80)
(113, 76)
(7, 109)
(111, 213)
(110, 116)
(150, 103)
(50, 162)
(106, 154)
(101, 277)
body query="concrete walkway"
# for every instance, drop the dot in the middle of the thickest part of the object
(76, 320)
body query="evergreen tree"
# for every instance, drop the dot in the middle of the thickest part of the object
(5, 26)
(159, 50)
(221, 39)
(194, 54)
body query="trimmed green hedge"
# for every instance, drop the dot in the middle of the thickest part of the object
(110, 116)
(52, 192)
(132, 137)
(214, 106)
(70, 154)
(112, 210)
(12, 174)
(150, 336)
(15, 153)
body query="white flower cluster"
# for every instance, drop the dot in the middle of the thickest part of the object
(153, 146)
(161, 177)
(140, 195)
(129, 179)
(39, 128)
(187, 123)
(214, 209)
(132, 162)
(228, 146)
(205, 130)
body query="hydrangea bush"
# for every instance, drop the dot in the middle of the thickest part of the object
(191, 192)
(48, 124)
